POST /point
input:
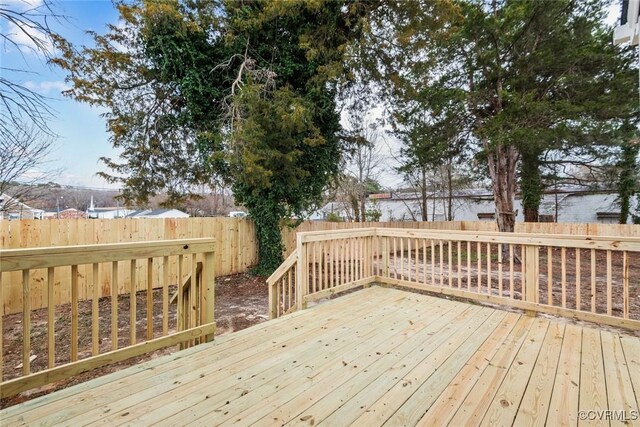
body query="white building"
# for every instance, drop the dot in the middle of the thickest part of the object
(11, 208)
(158, 213)
(571, 204)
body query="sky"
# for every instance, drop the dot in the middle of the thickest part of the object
(83, 138)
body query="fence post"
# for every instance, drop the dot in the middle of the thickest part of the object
(302, 273)
(208, 307)
(530, 267)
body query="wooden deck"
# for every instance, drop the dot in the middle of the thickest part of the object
(376, 356)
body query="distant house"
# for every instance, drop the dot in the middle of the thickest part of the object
(158, 213)
(71, 213)
(11, 208)
(569, 203)
(106, 212)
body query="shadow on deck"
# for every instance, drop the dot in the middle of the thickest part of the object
(375, 356)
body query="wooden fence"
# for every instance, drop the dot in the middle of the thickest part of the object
(236, 247)
(236, 251)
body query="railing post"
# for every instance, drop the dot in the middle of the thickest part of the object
(385, 256)
(530, 284)
(302, 273)
(273, 300)
(209, 277)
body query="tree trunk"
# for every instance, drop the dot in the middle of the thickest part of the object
(531, 184)
(423, 201)
(450, 191)
(502, 170)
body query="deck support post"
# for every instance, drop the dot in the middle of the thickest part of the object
(530, 284)
(302, 273)
(208, 306)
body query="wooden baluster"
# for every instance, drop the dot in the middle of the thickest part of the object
(193, 293)
(593, 280)
(416, 245)
(609, 288)
(26, 323)
(132, 304)
(489, 268)
(95, 310)
(325, 269)
(289, 290)
(51, 317)
(165, 295)
(479, 253)
(549, 275)
(74, 313)
(500, 281)
(114, 305)
(332, 261)
(433, 264)
(441, 253)
(401, 258)
(352, 258)
(469, 266)
(409, 260)
(563, 279)
(459, 254)
(511, 278)
(314, 266)
(424, 261)
(150, 298)
(450, 265)
(395, 261)
(180, 314)
(344, 279)
(625, 285)
(578, 285)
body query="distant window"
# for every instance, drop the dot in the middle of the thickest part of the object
(546, 218)
(608, 217)
(486, 216)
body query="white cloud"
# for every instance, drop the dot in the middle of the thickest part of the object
(46, 87)
(28, 40)
(23, 4)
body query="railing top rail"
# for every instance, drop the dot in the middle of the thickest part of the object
(314, 236)
(557, 240)
(286, 265)
(56, 256)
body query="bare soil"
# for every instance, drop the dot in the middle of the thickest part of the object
(241, 302)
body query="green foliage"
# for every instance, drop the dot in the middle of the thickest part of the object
(629, 179)
(240, 92)
(511, 80)
(333, 217)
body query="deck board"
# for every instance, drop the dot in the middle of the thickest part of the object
(378, 356)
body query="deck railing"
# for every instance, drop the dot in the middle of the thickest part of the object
(588, 278)
(92, 343)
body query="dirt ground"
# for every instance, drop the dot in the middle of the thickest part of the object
(241, 301)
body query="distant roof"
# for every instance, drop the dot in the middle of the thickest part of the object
(152, 212)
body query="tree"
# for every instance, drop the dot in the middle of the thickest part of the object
(521, 77)
(27, 31)
(243, 93)
(629, 178)
(24, 164)
(363, 158)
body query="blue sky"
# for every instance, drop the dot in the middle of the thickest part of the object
(82, 135)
